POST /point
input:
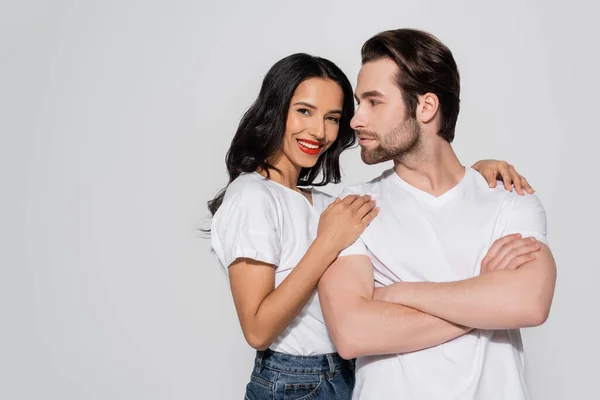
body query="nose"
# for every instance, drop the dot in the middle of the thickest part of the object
(357, 121)
(319, 131)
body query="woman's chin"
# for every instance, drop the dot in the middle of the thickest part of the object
(307, 163)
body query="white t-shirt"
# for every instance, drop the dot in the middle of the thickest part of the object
(420, 237)
(268, 222)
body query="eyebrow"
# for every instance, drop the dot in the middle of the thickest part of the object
(370, 93)
(308, 105)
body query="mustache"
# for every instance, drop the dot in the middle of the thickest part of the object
(364, 134)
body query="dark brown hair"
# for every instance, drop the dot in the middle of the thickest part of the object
(425, 65)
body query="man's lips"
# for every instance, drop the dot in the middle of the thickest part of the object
(365, 140)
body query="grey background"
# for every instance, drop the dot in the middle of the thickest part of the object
(115, 117)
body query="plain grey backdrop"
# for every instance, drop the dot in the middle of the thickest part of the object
(115, 117)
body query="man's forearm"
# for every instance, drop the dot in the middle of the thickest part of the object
(361, 325)
(378, 327)
(502, 299)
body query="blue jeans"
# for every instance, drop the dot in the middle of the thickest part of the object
(278, 376)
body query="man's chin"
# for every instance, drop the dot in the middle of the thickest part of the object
(369, 158)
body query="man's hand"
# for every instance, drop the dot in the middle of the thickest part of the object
(510, 252)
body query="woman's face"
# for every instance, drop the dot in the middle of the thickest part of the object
(312, 122)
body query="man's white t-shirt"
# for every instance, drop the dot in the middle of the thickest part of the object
(419, 237)
(265, 221)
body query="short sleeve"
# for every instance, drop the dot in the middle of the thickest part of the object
(247, 227)
(528, 218)
(358, 248)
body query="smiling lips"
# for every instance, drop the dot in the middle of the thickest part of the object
(309, 147)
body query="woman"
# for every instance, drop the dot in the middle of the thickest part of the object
(276, 239)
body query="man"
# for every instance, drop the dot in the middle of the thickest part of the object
(442, 321)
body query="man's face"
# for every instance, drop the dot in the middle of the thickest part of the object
(381, 121)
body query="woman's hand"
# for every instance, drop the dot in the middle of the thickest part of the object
(345, 220)
(494, 170)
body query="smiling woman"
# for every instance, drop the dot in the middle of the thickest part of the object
(276, 240)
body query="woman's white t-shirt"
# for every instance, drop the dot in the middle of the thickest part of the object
(268, 222)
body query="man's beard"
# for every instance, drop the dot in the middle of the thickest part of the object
(392, 146)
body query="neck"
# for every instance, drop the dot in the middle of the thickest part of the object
(288, 173)
(433, 168)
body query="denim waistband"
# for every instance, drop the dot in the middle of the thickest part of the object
(298, 364)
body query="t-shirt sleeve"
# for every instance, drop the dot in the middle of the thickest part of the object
(358, 248)
(528, 218)
(249, 228)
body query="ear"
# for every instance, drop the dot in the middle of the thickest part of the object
(428, 107)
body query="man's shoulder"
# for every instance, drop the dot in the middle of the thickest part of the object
(321, 200)
(510, 198)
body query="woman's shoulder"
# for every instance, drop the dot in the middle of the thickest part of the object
(251, 186)
(247, 197)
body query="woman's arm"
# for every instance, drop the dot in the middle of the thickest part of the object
(265, 311)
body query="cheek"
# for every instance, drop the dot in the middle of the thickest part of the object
(370, 116)
(295, 124)
(389, 120)
(332, 134)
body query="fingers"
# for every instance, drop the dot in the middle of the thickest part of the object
(351, 198)
(516, 178)
(490, 177)
(516, 261)
(504, 172)
(492, 264)
(361, 201)
(511, 251)
(355, 206)
(497, 246)
(365, 208)
(519, 261)
(527, 186)
(367, 219)
(514, 258)
(354, 200)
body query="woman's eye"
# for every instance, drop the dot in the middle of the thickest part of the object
(335, 120)
(303, 111)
